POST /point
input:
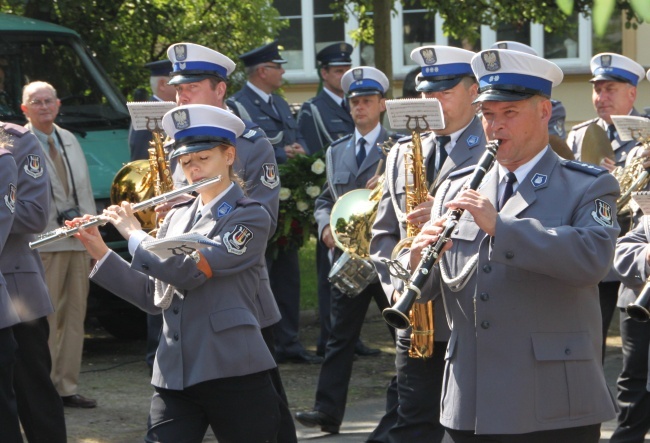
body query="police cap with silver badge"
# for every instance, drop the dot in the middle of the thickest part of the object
(615, 67)
(443, 67)
(364, 80)
(505, 75)
(193, 63)
(337, 54)
(159, 68)
(514, 46)
(267, 53)
(196, 128)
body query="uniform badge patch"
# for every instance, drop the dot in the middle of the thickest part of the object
(180, 51)
(559, 127)
(357, 74)
(237, 239)
(472, 140)
(269, 176)
(538, 180)
(181, 119)
(603, 213)
(223, 209)
(606, 61)
(429, 56)
(491, 61)
(10, 198)
(33, 166)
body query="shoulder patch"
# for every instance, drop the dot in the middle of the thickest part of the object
(33, 166)
(10, 198)
(461, 172)
(341, 140)
(269, 177)
(583, 124)
(603, 213)
(587, 168)
(237, 239)
(15, 130)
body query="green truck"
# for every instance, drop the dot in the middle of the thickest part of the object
(92, 108)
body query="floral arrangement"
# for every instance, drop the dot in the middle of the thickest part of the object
(301, 181)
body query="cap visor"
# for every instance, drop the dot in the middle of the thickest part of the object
(279, 61)
(430, 85)
(609, 78)
(495, 95)
(195, 147)
(364, 92)
(181, 79)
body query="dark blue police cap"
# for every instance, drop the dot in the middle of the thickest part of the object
(266, 53)
(159, 68)
(337, 54)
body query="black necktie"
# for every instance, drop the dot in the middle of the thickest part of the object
(441, 142)
(431, 170)
(611, 132)
(344, 105)
(361, 154)
(197, 217)
(275, 111)
(511, 179)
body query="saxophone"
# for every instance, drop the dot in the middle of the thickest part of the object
(421, 316)
(140, 180)
(632, 177)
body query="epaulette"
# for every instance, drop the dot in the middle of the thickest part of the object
(583, 124)
(14, 129)
(587, 168)
(461, 172)
(247, 201)
(405, 139)
(252, 131)
(341, 140)
(395, 137)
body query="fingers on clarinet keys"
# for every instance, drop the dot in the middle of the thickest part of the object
(311, 419)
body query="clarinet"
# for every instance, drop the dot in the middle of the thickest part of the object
(397, 315)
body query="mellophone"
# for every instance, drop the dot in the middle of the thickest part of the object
(398, 315)
(100, 220)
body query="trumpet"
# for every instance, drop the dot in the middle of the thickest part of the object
(99, 220)
(640, 309)
(398, 315)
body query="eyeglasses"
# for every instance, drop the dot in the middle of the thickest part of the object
(46, 102)
(278, 67)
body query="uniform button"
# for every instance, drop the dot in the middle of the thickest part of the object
(145, 266)
(567, 351)
(176, 310)
(485, 324)
(176, 336)
(487, 268)
(510, 254)
(456, 231)
(485, 296)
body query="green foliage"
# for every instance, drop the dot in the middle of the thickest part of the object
(126, 34)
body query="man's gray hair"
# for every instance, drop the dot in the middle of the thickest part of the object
(32, 87)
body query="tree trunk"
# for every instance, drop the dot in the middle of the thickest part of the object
(383, 53)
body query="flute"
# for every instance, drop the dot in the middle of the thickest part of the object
(99, 220)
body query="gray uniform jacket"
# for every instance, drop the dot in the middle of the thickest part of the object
(322, 121)
(525, 349)
(22, 267)
(211, 329)
(621, 149)
(280, 128)
(343, 174)
(630, 262)
(390, 224)
(8, 179)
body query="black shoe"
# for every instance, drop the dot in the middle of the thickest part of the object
(301, 357)
(364, 351)
(78, 401)
(312, 419)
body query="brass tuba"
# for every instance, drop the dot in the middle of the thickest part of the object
(421, 316)
(141, 180)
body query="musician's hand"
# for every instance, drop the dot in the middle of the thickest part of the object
(123, 219)
(89, 237)
(608, 164)
(427, 236)
(421, 214)
(372, 182)
(163, 208)
(484, 213)
(327, 238)
(293, 149)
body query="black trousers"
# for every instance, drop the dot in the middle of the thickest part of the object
(608, 293)
(348, 315)
(323, 268)
(9, 425)
(39, 405)
(582, 434)
(238, 409)
(632, 395)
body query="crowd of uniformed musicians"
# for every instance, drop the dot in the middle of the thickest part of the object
(522, 294)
